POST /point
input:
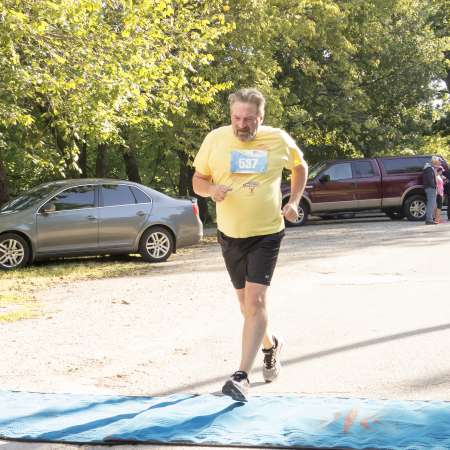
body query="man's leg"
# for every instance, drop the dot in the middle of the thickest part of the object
(268, 341)
(252, 304)
(433, 199)
(258, 264)
(431, 204)
(255, 324)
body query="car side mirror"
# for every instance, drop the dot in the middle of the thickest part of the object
(48, 208)
(324, 178)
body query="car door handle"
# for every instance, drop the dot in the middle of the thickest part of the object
(92, 218)
(140, 213)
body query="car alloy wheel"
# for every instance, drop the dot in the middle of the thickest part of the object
(301, 215)
(14, 252)
(418, 209)
(415, 207)
(156, 244)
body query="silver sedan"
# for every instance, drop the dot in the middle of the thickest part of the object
(93, 217)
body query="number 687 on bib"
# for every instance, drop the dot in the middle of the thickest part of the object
(248, 161)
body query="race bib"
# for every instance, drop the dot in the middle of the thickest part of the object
(248, 161)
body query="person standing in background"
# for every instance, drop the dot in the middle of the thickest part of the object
(446, 174)
(439, 194)
(429, 184)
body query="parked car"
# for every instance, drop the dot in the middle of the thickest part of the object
(93, 217)
(390, 184)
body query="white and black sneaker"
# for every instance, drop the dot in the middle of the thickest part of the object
(237, 386)
(272, 365)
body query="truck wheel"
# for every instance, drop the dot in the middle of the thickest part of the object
(303, 212)
(415, 208)
(395, 214)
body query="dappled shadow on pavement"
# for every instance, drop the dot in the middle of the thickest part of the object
(323, 354)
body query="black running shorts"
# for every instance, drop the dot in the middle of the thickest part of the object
(439, 201)
(250, 259)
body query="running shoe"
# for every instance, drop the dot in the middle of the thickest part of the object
(237, 386)
(272, 365)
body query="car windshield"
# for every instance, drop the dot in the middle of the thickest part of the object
(315, 169)
(29, 198)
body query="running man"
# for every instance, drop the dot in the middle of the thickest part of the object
(240, 166)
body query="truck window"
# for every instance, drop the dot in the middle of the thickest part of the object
(405, 165)
(315, 169)
(362, 169)
(341, 171)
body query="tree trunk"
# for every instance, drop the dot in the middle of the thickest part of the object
(447, 80)
(131, 165)
(185, 186)
(68, 158)
(100, 164)
(4, 191)
(184, 177)
(202, 203)
(82, 160)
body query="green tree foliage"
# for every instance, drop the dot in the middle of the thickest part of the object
(129, 88)
(359, 75)
(346, 79)
(85, 71)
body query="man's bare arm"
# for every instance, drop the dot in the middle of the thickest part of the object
(202, 186)
(299, 176)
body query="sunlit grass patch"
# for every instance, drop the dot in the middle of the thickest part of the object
(15, 307)
(209, 240)
(18, 314)
(42, 273)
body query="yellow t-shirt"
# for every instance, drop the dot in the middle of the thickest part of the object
(253, 170)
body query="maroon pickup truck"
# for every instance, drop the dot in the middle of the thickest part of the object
(390, 184)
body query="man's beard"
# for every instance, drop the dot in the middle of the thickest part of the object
(245, 135)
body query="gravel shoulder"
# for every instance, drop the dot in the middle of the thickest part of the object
(362, 306)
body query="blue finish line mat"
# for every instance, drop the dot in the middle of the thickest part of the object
(288, 421)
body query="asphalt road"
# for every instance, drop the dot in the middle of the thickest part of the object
(362, 306)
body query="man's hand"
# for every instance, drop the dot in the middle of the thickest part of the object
(203, 186)
(219, 192)
(290, 211)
